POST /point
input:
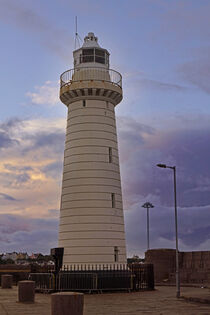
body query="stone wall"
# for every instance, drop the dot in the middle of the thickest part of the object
(194, 266)
(18, 272)
(163, 261)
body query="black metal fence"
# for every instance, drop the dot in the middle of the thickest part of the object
(97, 278)
(45, 282)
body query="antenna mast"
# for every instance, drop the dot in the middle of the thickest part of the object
(78, 39)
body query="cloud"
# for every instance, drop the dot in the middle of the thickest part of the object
(20, 15)
(31, 171)
(19, 233)
(17, 167)
(154, 84)
(54, 212)
(6, 140)
(180, 32)
(177, 22)
(187, 20)
(183, 29)
(46, 94)
(53, 169)
(30, 181)
(141, 79)
(33, 134)
(197, 72)
(51, 139)
(132, 135)
(173, 147)
(6, 197)
(141, 149)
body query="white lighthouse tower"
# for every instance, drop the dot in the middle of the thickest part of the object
(91, 215)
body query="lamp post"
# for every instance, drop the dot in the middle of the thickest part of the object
(147, 205)
(176, 229)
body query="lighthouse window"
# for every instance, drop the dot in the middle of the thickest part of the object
(116, 254)
(110, 155)
(87, 52)
(107, 59)
(94, 55)
(113, 200)
(84, 103)
(100, 56)
(87, 55)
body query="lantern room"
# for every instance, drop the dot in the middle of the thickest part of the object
(91, 54)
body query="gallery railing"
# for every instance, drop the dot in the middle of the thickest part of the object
(90, 74)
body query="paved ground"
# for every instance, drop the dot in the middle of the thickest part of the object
(162, 301)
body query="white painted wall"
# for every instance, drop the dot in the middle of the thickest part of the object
(90, 227)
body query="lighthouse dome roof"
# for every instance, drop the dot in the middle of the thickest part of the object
(90, 40)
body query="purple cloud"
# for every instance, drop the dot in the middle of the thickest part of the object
(197, 72)
(18, 233)
(143, 181)
(6, 141)
(141, 148)
(7, 197)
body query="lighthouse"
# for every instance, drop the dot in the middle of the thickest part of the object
(91, 229)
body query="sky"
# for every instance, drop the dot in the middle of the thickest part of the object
(162, 49)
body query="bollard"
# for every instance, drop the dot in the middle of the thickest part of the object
(66, 303)
(26, 291)
(6, 281)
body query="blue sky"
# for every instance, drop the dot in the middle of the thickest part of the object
(162, 50)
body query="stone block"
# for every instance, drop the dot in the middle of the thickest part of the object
(6, 281)
(67, 303)
(26, 291)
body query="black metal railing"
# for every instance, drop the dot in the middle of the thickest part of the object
(97, 278)
(44, 281)
(90, 74)
(85, 281)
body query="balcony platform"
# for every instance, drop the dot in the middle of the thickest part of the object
(91, 83)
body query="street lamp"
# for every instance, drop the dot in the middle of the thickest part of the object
(176, 229)
(147, 205)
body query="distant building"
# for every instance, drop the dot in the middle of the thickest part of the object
(22, 256)
(35, 256)
(13, 256)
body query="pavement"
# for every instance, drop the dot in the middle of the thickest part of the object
(161, 301)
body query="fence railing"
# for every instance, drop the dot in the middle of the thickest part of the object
(85, 281)
(100, 278)
(90, 74)
(44, 281)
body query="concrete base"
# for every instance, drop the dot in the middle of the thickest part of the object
(6, 281)
(67, 303)
(26, 291)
